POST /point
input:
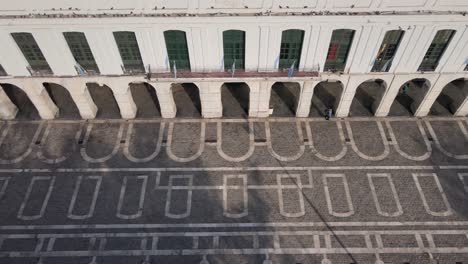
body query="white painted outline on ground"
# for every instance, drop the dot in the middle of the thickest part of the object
(87, 158)
(92, 206)
(340, 155)
(200, 150)
(4, 185)
(40, 153)
(281, 157)
(354, 146)
(448, 210)
(404, 154)
(51, 180)
(298, 187)
(126, 149)
(439, 146)
(376, 198)
(347, 194)
(245, 197)
(461, 176)
(141, 199)
(169, 196)
(219, 142)
(28, 150)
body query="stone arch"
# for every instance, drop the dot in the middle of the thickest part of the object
(25, 107)
(368, 97)
(451, 97)
(145, 97)
(409, 97)
(63, 100)
(235, 99)
(187, 99)
(104, 99)
(284, 99)
(327, 94)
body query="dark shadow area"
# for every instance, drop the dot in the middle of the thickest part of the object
(104, 99)
(26, 109)
(63, 100)
(326, 95)
(235, 99)
(451, 98)
(367, 98)
(409, 97)
(187, 99)
(146, 100)
(284, 99)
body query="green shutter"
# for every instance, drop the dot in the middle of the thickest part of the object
(387, 50)
(338, 50)
(32, 52)
(176, 44)
(129, 52)
(81, 51)
(291, 48)
(436, 50)
(234, 48)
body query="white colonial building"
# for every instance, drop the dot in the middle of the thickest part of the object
(384, 49)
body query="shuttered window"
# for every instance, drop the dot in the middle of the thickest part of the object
(177, 51)
(81, 51)
(32, 53)
(234, 49)
(129, 52)
(291, 48)
(436, 50)
(387, 51)
(338, 50)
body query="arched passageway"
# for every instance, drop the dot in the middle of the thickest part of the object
(187, 99)
(451, 98)
(327, 94)
(284, 99)
(367, 98)
(235, 99)
(146, 100)
(409, 97)
(26, 109)
(105, 101)
(63, 100)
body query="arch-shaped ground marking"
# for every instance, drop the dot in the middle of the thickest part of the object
(227, 157)
(382, 156)
(280, 157)
(404, 154)
(28, 150)
(159, 143)
(200, 150)
(439, 145)
(340, 155)
(114, 151)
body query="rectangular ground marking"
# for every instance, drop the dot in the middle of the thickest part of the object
(84, 193)
(462, 176)
(293, 191)
(35, 200)
(3, 185)
(332, 205)
(183, 187)
(132, 195)
(381, 185)
(235, 196)
(431, 191)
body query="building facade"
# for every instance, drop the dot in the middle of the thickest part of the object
(411, 48)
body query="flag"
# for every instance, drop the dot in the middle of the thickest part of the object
(233, 69)
(80, 69)
(168, 67)
(222, 64)
(175, 70)
(291, 69)
(332, 51)
(276, 65)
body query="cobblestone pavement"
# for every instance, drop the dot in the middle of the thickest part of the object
(286, 190)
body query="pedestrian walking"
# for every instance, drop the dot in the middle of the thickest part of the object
(328, 113)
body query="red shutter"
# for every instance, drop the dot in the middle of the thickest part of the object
(332, 51)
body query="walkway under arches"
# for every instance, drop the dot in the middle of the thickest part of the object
(105, 101)
(63, 100)
(26, 109)
(187, 99)
(146, 100)
(235, 98)
(409, 97)
(327, 94)
(284, 99)
(367, 98)
(451, 98)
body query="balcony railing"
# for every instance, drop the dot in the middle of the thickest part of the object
(228, 74)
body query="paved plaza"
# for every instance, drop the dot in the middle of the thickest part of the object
(277, 190)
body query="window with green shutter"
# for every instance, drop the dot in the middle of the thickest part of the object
(129, 52)
(177, 51)
(338, 50)
(32, 53)
(436, 50)
(2, 71)
(81, 51)
(387, 50)
(234, 49)
(291, 48)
